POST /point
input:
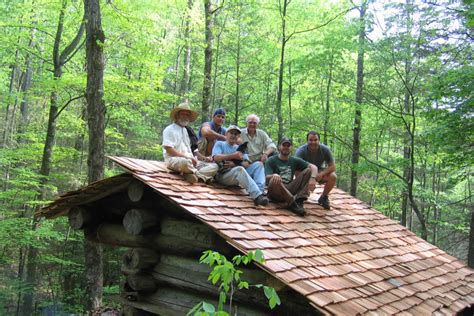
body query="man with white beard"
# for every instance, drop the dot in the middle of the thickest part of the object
(177, 147)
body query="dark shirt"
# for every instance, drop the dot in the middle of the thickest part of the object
(285, 168)
(318, 158)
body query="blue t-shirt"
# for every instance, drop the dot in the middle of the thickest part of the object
(224, 148)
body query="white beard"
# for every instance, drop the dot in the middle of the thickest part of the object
(183, 123)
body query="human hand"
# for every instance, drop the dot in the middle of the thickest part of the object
(312, 184)
(194, 161)
(238, 155)
(275, 179)
(208, 159)
(264, 157)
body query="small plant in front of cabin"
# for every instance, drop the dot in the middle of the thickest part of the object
(229, 278)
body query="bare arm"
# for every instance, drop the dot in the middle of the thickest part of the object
(330, 169)
(236, 155)
(314, 174)
(210, 134)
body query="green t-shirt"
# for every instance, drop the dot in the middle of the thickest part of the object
(285, 168)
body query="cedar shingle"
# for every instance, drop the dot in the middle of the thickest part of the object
(348, 260)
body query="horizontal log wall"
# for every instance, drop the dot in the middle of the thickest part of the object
(162, 267)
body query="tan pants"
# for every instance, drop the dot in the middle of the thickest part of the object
(298, 188)
(204, 170)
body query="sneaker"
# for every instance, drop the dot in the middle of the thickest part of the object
(191, 178)
(324, 202)
(261, 200)
(297, 209)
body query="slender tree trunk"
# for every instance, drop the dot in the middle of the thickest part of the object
(237, 76)
(407, 148)
(79, 143)
(59, 60)
(216, 68)
(359, 97)
(328, 101)
(184, 88)
(176, 70)
(9, 116)
(25, 86)
(289, 97)
(378, 151)
(95, 39)
(281, 70)
(470, 256)
(207, 86)
(436, 187)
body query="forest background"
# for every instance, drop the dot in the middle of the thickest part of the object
(389, 84)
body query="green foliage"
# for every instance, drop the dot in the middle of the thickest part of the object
(228, 277)
(145, 54)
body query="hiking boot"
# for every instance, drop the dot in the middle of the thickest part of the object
(191, 178)
(297, 209)
(324, 202)
(261, 200)
(300, 201)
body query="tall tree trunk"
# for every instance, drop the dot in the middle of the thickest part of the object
(359, 96)
(470, 256)
(328, 100)
(8, 116)
(184, 87)
(176, 70)
(282, 66)
(207, 86)
(409, 107)
(406, 105)
(59, 60)
(436, 188)
(290, 114)
(237, 76)
(215, 98)
(95, 39)
(26, 84)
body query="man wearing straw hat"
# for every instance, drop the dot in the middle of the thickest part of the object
(177, 147)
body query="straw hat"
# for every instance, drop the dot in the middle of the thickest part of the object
(183, 107)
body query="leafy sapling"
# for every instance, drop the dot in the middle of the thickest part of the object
(229, 278)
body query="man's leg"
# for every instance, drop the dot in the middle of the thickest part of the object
(180, 164)
(238, 176)
(330, 180)
(279, 192)
(206, 170)
(257, 172)
(299, 186)
(183, 165)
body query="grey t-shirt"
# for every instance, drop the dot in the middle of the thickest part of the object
(321, 158)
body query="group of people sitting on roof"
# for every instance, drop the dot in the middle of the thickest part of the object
(249, 158)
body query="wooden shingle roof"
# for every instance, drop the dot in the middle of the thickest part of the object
(348, 260)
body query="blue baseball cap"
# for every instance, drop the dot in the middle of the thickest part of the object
(220, 111)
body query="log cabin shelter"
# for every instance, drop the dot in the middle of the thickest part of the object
(348, 260)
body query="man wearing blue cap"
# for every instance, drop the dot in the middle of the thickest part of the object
(211, 131)
(237, 169)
